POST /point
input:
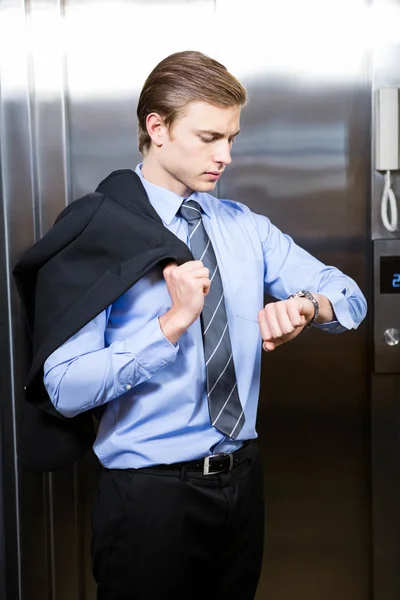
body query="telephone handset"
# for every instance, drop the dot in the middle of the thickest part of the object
(387, 148)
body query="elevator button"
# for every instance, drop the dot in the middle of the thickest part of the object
(392, 337)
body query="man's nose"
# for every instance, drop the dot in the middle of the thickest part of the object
(223, 153)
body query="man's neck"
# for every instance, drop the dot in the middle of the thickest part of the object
(156, 175)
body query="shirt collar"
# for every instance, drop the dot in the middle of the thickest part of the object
(167, 203)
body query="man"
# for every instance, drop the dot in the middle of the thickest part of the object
(175, 361)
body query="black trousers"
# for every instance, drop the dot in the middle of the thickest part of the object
(161, 534)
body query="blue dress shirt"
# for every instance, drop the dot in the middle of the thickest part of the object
(154, 392)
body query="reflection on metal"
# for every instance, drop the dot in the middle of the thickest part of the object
(386, 382)
(386, 73)
(392, 337)
(296, 41)
(70, 76)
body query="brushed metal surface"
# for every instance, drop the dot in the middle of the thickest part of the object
(303, 160)
(70, 75)
(17, 232)
(385, 387)
(385, 73)
(386, 487)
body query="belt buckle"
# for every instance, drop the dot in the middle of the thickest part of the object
(207, 468)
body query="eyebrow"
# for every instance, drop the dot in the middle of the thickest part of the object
(216, 134)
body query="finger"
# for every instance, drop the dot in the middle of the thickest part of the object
(268, 346)
(202, 273)
(283, 317)
(190, 265)
(297, 319)
(199, 273)
(169, 268)
(262, 323)
(196, 284)
(272, 320)
(205, 282)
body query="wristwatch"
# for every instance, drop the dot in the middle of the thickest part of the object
(309, 296)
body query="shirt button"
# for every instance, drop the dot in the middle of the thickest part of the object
(128, 386)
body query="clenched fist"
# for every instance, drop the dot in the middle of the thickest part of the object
(187, 285)
(282, 321)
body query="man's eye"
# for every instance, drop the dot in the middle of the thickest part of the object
(206, 140)
(232, 140)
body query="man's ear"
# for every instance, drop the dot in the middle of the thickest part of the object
(156, 128)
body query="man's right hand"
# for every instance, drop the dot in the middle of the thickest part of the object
(187, 285)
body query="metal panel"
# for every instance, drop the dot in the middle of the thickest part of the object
(70, 76)
(385, 388)
(17, 233)
(4, 391)
(386, 488)
(385, 73)
(107, 68)
(51, 153)
(303, 160)
(71, 71)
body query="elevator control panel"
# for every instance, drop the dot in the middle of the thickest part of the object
(387, 306)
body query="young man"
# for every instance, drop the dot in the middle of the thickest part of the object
(175, 361)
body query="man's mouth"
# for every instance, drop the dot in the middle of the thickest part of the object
(214, 175)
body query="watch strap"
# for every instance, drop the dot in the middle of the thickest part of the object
(309, 296)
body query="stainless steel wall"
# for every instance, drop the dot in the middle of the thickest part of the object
(70, 74)
(385, 383)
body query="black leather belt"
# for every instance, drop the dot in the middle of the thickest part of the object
(215, 463)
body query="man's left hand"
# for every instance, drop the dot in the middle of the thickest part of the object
(282, 321)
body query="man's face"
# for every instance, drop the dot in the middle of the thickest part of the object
(196, 150)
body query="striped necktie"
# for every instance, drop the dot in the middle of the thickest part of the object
(226, 412)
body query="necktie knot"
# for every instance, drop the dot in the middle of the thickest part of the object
(190, 210)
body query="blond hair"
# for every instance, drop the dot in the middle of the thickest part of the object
(182, 78)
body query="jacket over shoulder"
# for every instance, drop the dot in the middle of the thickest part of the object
(99, 246)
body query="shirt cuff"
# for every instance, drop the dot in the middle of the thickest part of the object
(152, 352)
(340, 306)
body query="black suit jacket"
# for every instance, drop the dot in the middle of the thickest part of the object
(98, 248)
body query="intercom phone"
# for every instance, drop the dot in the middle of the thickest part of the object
(387, 148)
